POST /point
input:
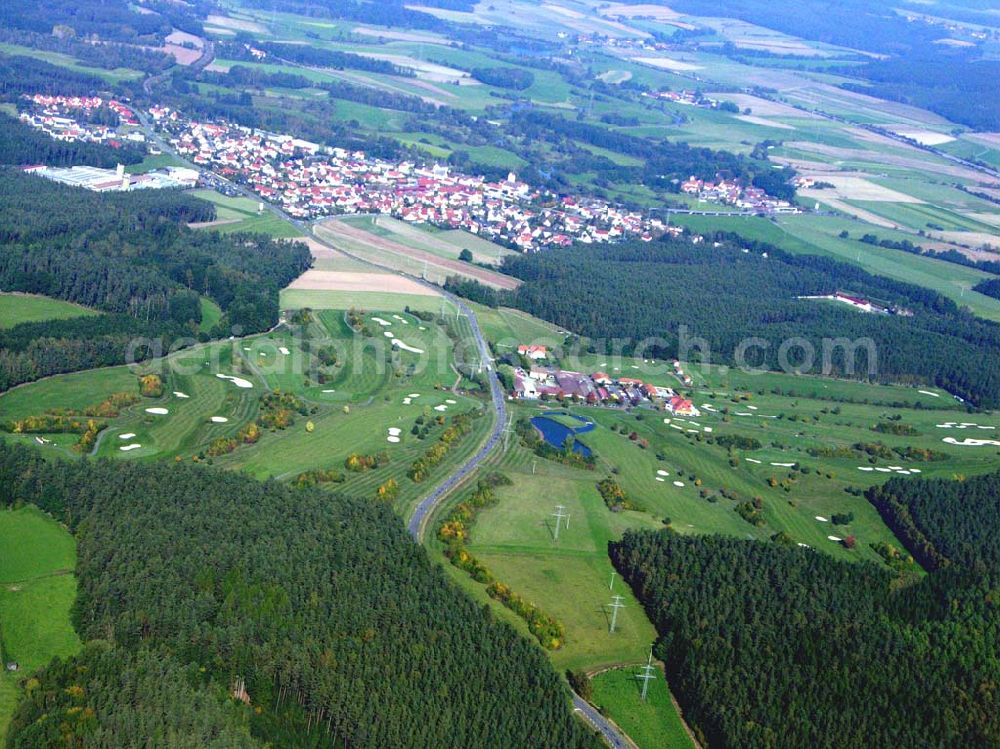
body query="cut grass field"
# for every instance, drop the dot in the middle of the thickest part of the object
(37, 589)
(241, 214)
(819, 235)
(21, 308)
(651, 724)
(393, 244)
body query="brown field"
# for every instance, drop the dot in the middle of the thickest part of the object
(401, 36)
(856, 187)
(659, 13)
(235, 24)
(329, 280)
(765, 107)
(396, 255)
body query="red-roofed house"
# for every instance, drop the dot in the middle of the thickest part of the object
(533, 352)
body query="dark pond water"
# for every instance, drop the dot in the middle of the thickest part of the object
(555, 433)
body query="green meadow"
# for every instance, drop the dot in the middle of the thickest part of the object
(37, 589)
(651, 724)
(20, 308)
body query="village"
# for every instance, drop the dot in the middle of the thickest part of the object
(541, 382)
(310, 181)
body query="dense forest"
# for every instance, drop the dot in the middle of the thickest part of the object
(128, 254)
(194, 583)
(398, 13)
(944, 523)
(775, 646)
(727, 291)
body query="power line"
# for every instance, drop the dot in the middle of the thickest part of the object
(612, 586)
(647, 674)
(559, 514)
(616, 603)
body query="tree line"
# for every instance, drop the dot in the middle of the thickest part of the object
(728, 291)
(838, 654)
(214, 605)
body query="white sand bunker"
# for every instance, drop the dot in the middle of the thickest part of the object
(868, 469)
(219, 420)
(392, 438)
(383, 323)
(407, 401)
(660, 478)
(158, 411)
(237, 381)
(284, 350)
(806, 546)
(752, 408)
(676, 426)
(133, 446)
(413, 395)
(822, 519)
(666, 421)
(329, 390)
(406, 347)
(783, 465)
(707, 429)
(880, 469)
(661, 472)
(743, 413)
(442, 407)
(450, 402)
(835, 538)
(126, 436)
(679, 483)
(708, 407)
(421, 327)
(970, 442)
(387, 334)
(753, 460)
(395, 431)
(928, 392)
(178, 394)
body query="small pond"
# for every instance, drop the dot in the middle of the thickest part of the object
(556, 433)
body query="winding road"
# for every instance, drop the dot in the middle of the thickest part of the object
(425, 509)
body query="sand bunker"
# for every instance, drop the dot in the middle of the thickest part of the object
(392, 438)
(822, 519)
(660, 478)
(867, 469)
(133, 446)
(394, 431)
(388, 334)
(753, 460)
(928, 392)
(405, 347)
(157, 411)
(218, 419)
(126, 436)
(970, 442)
(178, 394)
(661, 472)
(413, 395)
(783, 465)
(450, 402)
(835, 538)
(679, 483)
(237, 381)
(380, 321)
(329, 390)
(442, 407)
(284, 351)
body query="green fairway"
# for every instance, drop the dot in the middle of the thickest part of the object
(211, 313)
(653, 723)
(70, 391)
(37, 589)
(20, 308)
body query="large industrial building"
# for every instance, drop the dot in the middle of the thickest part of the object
(116, 180)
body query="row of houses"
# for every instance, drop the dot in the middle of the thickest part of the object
(539, 383)
(60, 117)
(731, 192)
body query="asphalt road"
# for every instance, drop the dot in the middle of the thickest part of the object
(614, 738)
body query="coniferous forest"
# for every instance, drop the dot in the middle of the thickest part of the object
(727, 290)
(773, 646)
(195, 582)
(130, 255)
